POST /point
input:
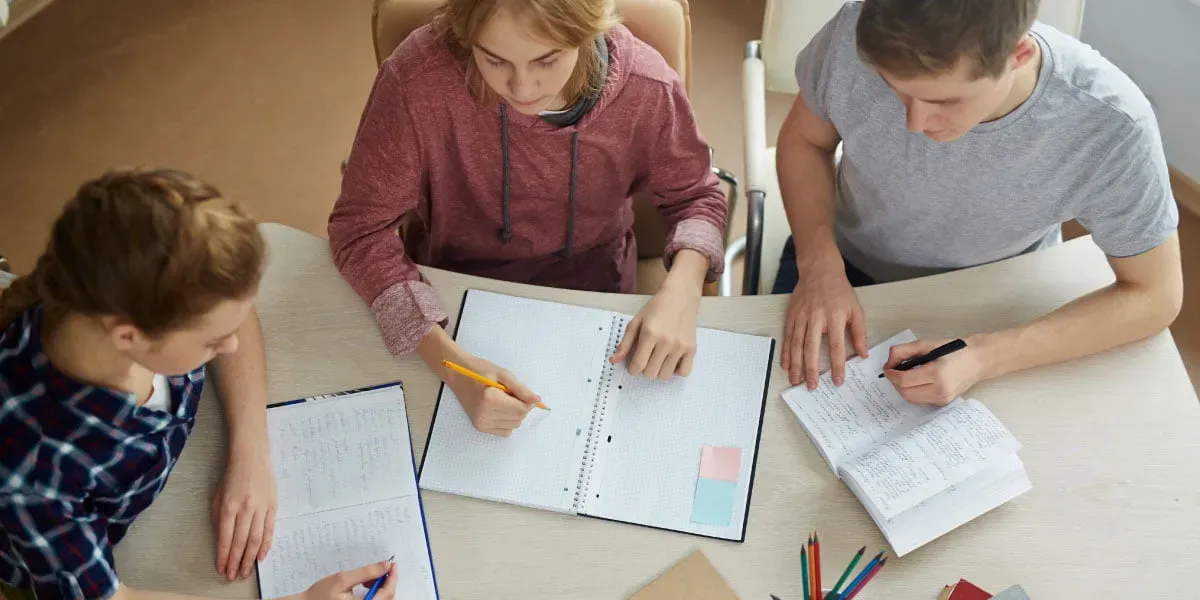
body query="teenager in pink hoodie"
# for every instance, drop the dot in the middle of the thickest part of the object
(507, 139)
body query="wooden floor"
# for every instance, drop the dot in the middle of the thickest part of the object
(263, 98)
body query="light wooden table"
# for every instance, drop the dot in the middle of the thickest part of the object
(1111, 443)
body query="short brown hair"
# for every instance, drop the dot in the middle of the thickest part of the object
(566, 24)
(156, 247)
(920, 37)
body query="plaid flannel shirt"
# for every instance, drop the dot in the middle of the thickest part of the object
(77, 464)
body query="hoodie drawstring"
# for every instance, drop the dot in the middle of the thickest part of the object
(506, 233)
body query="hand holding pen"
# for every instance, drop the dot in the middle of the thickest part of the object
(381, 576)
(933, 371)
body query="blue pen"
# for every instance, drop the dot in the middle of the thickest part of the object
(379, 582)
(862, 575)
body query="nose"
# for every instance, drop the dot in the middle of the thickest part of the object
(522, 87)
(918, 116)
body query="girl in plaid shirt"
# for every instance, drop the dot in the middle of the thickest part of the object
(148, 276)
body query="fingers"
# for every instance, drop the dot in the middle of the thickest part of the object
(812, 352)
(387, 591)
(268, 534)
(685, 364)
(518, 389)
(837, 349)
(365, 575)
(226, 519)
(911, 379)
(858, 332)
(796, 362)
(253, 543)
(627, 341)
(658, 360)
(785, 357)
(241, 533)
(901, 352)
(642, 354)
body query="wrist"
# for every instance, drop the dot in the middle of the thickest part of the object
(992, 351)
(438, 346)
(817, 254)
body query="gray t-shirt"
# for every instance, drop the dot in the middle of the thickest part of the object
(1084, 146)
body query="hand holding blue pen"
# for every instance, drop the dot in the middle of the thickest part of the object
(378, 582)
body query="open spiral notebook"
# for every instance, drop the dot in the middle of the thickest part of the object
(613, 446)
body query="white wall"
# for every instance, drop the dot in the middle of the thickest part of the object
(1157, 43)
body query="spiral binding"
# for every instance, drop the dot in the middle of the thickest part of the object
(596, 427)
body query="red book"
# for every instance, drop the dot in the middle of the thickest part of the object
(965, 590)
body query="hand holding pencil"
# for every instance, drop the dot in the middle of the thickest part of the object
(492, 397)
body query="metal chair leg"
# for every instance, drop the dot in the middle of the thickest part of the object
(732, 181)
(725, 287)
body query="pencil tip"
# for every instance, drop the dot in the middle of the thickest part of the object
(862, 550)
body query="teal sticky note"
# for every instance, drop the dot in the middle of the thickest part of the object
(713, 504)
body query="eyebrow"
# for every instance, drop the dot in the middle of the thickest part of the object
(498, 57)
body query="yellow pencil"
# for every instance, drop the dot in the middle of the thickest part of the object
(465, 372)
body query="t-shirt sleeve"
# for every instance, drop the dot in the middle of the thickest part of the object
(62, 548)
(815, 62)
(1129, 208)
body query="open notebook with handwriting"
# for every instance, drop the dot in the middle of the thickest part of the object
(347, 492)
(676, 455)
(920, 471)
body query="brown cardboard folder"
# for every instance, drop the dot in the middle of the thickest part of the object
(692, 578)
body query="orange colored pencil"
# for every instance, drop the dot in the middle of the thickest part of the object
(465, 372)
(812, 569)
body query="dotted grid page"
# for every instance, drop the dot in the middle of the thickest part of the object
(347, 493)
(845, 421)
(341, 451)
(558, 351)
(308, 548)
(655, 433)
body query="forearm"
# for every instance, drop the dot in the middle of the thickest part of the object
(127, 593)
(1107, 318)
(806, 179)
(241, 380)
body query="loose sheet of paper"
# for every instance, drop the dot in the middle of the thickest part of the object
(347, 493)
(957, 443)
(844, 421)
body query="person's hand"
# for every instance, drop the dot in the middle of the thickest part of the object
(243, 511)
(823, 303)
(662, 337)
(340, 586)
(938, 382)
(491, 410)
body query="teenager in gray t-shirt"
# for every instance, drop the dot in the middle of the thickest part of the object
(969, 133)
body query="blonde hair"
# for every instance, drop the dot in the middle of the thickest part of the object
(156, 247)
(566, 24)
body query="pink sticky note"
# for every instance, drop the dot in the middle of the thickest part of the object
(722, 463)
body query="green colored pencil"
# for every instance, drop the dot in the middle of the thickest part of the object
(804, 565)
(834, 593)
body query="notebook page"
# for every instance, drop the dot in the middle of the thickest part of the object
(957, 505)
(559, 352)
(649, 468)
(960, 441)
(340, 451)
(308, 548)
(844, 421)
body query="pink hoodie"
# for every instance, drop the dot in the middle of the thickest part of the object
(504, 195)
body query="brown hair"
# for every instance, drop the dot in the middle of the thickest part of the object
(564, 24)
(156, 247)
(920, 37)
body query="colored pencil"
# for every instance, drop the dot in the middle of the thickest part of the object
(850, 567)
(817, 560)
(804, 569)
(861, 576)
(465, 372)
(378, 582)
(945, 593)
(858, 588)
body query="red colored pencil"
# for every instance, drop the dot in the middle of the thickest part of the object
(864, 583)
(817, 561)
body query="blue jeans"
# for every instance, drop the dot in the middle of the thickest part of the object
(789, 275)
